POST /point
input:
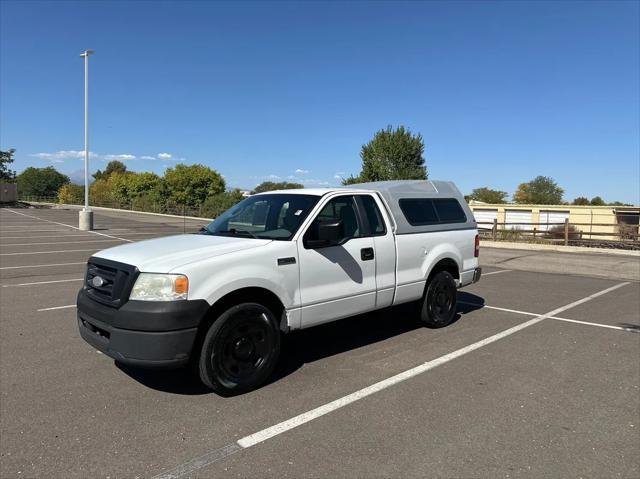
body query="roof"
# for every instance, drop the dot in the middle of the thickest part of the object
(404, 187)
(393, 191)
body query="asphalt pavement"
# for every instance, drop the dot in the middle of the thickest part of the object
(539, 376)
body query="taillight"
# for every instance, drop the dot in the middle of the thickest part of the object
(476, 250)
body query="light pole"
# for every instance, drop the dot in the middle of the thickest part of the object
(86, 215)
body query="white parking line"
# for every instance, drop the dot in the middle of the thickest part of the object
(69, 226)
(265, 434)
(48, 252)
(41, 282)
(58, 307)
(61, 242)
(496, 272)
(526, 313)
(41, 265)
(84, 235)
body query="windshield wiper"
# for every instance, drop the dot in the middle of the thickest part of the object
(234, 231)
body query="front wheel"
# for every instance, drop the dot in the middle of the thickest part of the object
(439, 302)
(240, 350)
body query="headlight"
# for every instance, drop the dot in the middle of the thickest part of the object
(160, 287)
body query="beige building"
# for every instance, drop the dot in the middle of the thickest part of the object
(594, 222)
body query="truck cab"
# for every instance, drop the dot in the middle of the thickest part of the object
(274, 263)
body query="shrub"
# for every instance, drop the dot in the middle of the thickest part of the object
(71, 194)
(557, 232)
(215, 205)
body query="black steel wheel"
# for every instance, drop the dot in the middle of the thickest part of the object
(439, 303)
(240, 350)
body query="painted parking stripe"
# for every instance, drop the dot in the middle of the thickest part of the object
(526, 313)
(58, 307)
(282, 427)
(61, 242)
(89, 236)
(496, 272)
(41, 265)
(37, 283)
(69, 226)
(48, 252)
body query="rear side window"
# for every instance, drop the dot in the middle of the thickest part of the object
(449, 211)
(423, 211)
(419, 211)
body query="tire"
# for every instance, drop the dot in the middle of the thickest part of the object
(240, 350)
(439, 302)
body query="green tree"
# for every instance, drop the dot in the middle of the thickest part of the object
(580, 201)
(271, 186)
(71, 194)
(487, 195)
(132, 185)
(352, 180)
(191, 185)
(44, 182)
(6, 158)
(392, 154)
(114, 166)
(542, 190)
(215, 205)
(597, 201)
(101, 193)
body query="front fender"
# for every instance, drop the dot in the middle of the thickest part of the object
(214, 278)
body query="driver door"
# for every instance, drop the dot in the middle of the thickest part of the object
(339, 280)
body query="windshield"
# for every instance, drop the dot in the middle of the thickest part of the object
(274, 216)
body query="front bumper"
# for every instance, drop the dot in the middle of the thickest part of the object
(142, 333)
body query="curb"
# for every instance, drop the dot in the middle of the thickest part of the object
(557, 248)
(78, 207)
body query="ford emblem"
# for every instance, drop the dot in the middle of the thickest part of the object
(97, 281)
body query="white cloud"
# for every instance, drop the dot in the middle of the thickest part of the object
(63, 155)
(341, 173)
(337, 177)
(60, 156)
(273, 177)
(120, 157)
(313, 182)
(300, 171)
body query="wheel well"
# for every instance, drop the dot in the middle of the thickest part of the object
(448, 265)
(244, 295)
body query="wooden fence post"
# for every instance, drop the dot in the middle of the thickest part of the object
(494, 229)
(566, 231)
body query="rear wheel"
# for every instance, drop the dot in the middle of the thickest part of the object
(240, 350)
(439, 302)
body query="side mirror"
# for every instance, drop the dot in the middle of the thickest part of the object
(330, 233)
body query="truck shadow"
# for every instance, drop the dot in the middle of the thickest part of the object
(313, 344)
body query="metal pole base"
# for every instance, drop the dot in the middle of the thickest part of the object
(86, 220)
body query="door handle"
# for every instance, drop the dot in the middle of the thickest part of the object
(366, 254)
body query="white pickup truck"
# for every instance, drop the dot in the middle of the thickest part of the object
(274, 263)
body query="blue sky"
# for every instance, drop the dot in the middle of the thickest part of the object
(500, 91)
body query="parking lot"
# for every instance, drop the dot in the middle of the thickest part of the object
(539, 377)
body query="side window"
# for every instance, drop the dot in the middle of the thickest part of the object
(419, 211)
(342, 208)
(374, 217)
(449, 211)
(423, 211)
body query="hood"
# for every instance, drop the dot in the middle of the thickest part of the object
(162, 255)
